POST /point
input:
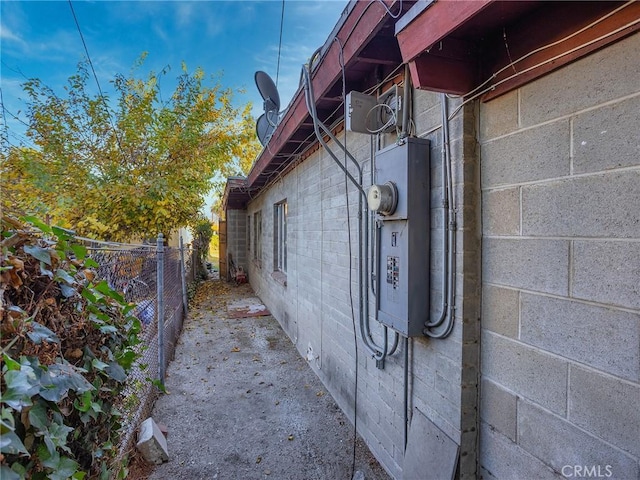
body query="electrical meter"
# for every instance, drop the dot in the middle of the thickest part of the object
(401, 197)
(383, 198)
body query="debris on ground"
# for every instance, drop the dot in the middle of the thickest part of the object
(152, 443)
(247, 414)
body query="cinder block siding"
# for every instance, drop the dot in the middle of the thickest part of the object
(315, 305)
(236, 236)
(561, 271)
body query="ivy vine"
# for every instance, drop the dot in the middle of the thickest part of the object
(67, 343)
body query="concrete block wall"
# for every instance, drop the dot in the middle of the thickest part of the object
(560, 166)
(317, 311)
(237, 236)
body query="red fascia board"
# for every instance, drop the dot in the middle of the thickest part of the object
(538, 32)
(233, 183)
(435, 23)
(363, 21)
(442, 74)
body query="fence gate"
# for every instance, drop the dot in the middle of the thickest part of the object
(224, 269)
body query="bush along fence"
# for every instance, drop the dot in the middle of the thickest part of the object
(87, 331)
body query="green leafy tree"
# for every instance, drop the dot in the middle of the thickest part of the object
(132, 167)
(202, 232)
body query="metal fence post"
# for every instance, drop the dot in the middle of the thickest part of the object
(160, 304)
(185, 303)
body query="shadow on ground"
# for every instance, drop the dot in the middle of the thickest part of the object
(243, 404)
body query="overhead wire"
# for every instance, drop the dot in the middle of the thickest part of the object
(16, 70)
(95, 76)
(4, 109)
(301, 149)
(392, 75)
(363, 12)
(4, 118)
(24, 141)
(280, 43)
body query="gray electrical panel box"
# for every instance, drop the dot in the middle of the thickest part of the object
(403, 253)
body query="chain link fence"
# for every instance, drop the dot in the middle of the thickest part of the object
(155, 279)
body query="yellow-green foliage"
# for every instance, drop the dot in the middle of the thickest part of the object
(132, 167)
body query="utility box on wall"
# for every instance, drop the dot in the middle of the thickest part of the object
(402, 182)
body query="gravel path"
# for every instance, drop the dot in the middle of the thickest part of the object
(243, 404)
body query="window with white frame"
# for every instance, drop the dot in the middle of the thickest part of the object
(280, 236)
(257, 236)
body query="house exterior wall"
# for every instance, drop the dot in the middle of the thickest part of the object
(540, 377)
(561, 272)
(315, 307)
(236, 237)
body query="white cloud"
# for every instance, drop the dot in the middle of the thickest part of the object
(8, 36)
(184, 13)
(160, 32)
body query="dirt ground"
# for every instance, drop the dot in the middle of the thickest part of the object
(243, 404)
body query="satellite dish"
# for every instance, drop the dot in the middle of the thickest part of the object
(268, 121)
(264, 129)
(268, 90)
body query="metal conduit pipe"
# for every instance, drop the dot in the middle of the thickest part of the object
(375, 267)
(364, 215)
(308, 90)
(405, 394)
(374, 254)
(311, 107)
(447, 316)
(405, 108)
(445, 229)
(379, 353)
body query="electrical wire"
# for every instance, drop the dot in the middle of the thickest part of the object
(479, 90)
(280, 43)
(392, 75)
(95, 76)
(300, 150)
(4, 118)
(389, 11)
(405, 394)
(357, 21)
(447, 315)
(392, 119)
(15, 70)
(378, 352)
(353, 315)
(24, 141)
(389, 77)
(4, 110)
(355, 24)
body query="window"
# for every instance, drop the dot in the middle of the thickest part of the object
(280, 236)
(257, 236)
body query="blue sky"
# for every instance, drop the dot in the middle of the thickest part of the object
(234, 38)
